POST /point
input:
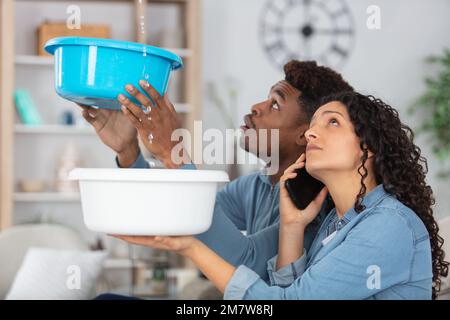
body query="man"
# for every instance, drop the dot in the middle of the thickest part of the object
(249, 203)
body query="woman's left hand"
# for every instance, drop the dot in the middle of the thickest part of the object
(180, 244)
(210, 264)
(290, 215)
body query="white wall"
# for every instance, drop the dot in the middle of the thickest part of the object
(388, 63)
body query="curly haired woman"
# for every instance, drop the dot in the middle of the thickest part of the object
(379, 242)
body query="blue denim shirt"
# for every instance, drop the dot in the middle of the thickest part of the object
(249, 203)
(381, 253)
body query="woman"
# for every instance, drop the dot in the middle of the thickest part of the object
(379, 242)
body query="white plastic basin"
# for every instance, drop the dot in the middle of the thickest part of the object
(148, 201)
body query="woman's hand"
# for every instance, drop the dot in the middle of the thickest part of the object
(213, 266)
(290, 215)
(294, 221)
(182, 245)
(156, 125)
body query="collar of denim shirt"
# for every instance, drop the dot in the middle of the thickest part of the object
(262, 173)
(264, 176)
(370, 200)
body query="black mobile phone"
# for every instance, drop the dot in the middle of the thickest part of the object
(303, 188)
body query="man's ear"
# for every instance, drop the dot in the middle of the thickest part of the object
(300, 138)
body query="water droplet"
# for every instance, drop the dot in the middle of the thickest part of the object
(142, 25)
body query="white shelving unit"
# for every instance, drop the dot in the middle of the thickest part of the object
(32, 152)
(46, 197)
(23, 147)
(34, 148)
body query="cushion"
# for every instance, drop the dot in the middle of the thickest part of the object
(53, 274)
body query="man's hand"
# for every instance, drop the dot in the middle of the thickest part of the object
(115, 131)
(156, 125)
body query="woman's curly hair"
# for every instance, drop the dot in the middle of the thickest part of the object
(398, 164)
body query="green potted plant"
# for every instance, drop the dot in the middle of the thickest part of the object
(435, 107)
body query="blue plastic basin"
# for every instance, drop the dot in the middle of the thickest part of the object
(93, 71)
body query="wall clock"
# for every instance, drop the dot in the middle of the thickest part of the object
(321, 30)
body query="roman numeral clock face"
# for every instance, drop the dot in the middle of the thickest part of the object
(319, 30)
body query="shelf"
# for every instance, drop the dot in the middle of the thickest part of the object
(53, 129)
(57, 129)
(46, 197)
(34, 60)
(117, 263)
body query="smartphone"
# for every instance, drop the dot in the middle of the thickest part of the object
(303, 188)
